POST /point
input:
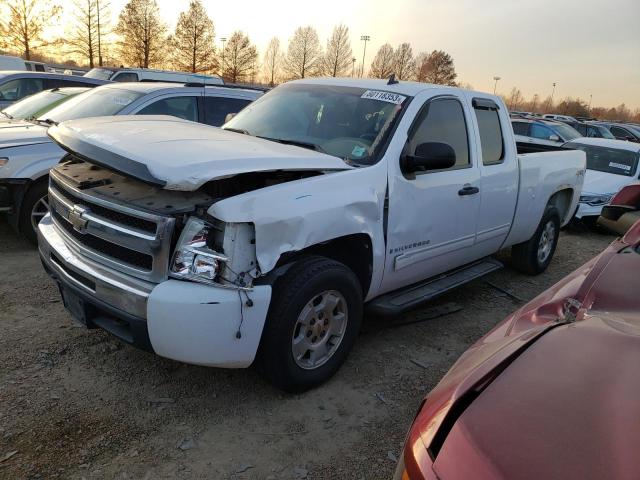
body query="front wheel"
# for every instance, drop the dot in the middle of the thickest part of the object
(534, 256)
(313, 321)
(35, 206)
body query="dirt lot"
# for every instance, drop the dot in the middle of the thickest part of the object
(79, 404)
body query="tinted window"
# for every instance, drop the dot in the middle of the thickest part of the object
(126, 77)
(181, 107)
(216, 109)
(620, 132)
(540, 131)
(520, 128)
(490, 136)
(610, 160)
(442, 120)
(20, 88)
(583, 130)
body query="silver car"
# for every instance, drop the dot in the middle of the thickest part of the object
(27, 153)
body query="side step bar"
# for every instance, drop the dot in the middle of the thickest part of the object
(400, 301)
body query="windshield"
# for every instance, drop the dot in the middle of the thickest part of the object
(567, 132)
(29, 106)
(347, 122)
(97, 102)
(99, 73)
(609, 160)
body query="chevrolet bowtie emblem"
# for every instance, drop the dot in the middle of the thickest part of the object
(75, 217)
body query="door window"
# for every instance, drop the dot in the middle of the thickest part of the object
(216, 109)
(181, 107)
(442, 120)
(16, 89)
(520, 128)
(490, 136)
(540, 131)
(621, 133)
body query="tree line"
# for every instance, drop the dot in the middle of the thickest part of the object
(141, 38)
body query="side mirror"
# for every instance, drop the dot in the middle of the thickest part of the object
(554, 138)
(229, 116)
(429, 156)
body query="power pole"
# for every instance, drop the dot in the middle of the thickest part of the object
(99, 36)
(353, 66)
(495, 85)
(365, 39)
(223, 40)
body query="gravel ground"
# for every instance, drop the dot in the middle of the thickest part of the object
(79, 404)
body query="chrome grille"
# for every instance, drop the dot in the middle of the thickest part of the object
(132, 241)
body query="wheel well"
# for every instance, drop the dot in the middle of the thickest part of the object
(355, 251)
(562, 201)
(28, 187)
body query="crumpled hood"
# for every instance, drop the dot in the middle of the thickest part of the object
(180, 155)
(20, 134)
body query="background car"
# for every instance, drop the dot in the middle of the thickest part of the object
(36, 105)
(543, 132)
(623, 210)
(622, 131)
(550, 393)
(16, 85)
(591, 130)
(151, 75)
(27, 153)
(611, 164)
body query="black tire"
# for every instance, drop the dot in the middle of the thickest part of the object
(524, 256)
(304, 281)
(36, 192)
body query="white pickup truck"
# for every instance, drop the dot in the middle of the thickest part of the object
(263, 242)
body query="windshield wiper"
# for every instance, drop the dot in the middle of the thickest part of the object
(297, 143)
(7, 115)
(48, 121)
(238, 130)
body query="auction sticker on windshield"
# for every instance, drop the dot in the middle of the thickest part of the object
(620, 166)
(384, 96)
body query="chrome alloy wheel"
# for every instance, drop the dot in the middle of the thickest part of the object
(546, 242)
(39, 210)
(319, 329)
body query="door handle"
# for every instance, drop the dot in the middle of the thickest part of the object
(468, 190)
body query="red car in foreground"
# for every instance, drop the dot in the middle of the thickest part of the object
(552, 392)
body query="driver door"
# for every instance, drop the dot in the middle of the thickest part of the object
(432, 215)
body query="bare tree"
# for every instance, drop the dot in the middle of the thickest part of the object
(404, 63)
(142, 33)
(436, 67)
(337, 59)
(84, 39)
(25, 24)
(304, 53)
(239, 58)
(514, 98)
(193, 41)
(383, 63)
(273, 59)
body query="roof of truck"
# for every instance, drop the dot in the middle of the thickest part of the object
(148, 87)
(402, 87)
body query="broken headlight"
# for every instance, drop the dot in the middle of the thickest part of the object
(594, 199)
(192, 258)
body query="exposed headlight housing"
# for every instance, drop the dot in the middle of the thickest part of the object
(3, 161)
(192, 258)
(595, 200)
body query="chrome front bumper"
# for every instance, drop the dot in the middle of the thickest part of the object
(122, 292)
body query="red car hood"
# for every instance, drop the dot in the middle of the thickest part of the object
(544, 387)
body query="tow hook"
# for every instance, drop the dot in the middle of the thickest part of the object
(570, 310)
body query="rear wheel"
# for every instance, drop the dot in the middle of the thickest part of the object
(534, 256)
(313, 321)
(35, 205)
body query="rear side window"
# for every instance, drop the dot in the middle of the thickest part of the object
(216, 109)
(442, 120)
(126, 77)
(520, 128)
(621, 133)
(181, 107)
(491, 139)
(540, 131)
(16, 89)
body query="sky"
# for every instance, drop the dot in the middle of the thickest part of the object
(587, 47)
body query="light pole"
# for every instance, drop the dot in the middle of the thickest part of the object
(551, 97)
(590, 98)
(223, 40)
(353, 66)
(365, 39)
(495, 85)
